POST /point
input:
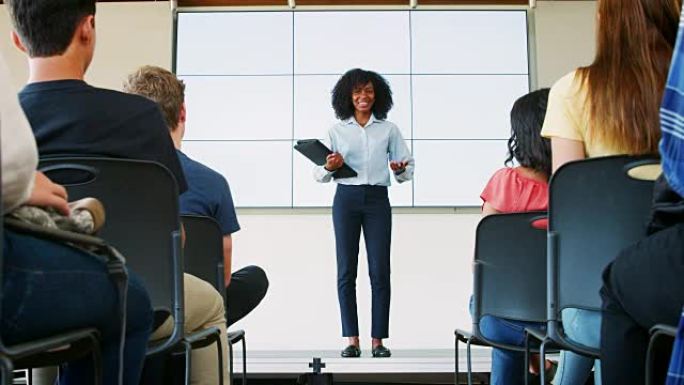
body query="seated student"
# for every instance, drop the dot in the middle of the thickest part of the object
(71, 117)
(518, 189)
(208, 192)
(644, 286)
(608, 108)
(42, 277)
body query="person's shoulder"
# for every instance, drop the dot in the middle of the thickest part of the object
(568, 85)
(503, 174)
(338, 128)
(124, 100)
(510, 180)
(340, 124)
(497, 192)
(501, 178)
(196, 168)
(389, 124)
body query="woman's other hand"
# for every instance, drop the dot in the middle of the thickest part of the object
(398, 166)
(333, 161)
(48, 194)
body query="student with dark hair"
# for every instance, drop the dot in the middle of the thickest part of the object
(525, 187)
(644, 286)
(208, 191)
(50, 287)
(518, 189)
(70, 117)
(610, 107)
(368, 143)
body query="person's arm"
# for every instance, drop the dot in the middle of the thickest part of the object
(182, 230)
(402, 162)
(19, 153)
(227, 258)
(45, 193)
(488, 209)
(226, 217)
(564, 123)
(565, 150)
(324, 174)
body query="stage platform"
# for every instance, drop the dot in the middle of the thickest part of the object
(402, 361)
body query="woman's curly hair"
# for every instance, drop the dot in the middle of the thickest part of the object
(526, 145)
(342, 93)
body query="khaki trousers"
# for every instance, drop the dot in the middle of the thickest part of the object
(203, 309)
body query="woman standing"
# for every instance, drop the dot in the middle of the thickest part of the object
(365, 141)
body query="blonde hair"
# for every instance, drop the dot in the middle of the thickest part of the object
(161, 86)
(625, 83)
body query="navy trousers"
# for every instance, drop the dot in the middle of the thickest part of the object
(51, 288)
(368, 208)
(248, 286)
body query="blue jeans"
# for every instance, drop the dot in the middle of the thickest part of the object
(51, 288)
(583, 327)
(508, 367)
(354, 208)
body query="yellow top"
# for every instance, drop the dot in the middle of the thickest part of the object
(567, 116)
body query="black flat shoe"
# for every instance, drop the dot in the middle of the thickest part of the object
(381, 351)
(351, 351)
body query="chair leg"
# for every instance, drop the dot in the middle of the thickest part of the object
(7, 370)
(230, 361)
(97, 361)
(542, 362)
(455, 359)
(527, 359)
(188, 361)
(244, 360)
(469, 362)
(219, 348)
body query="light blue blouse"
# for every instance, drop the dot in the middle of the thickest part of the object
(368, 150)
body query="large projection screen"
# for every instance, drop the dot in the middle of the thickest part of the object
(258, 81)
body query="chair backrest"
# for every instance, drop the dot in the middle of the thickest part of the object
(203, 251)
(510, 267)
(142, 221)
(595, 210)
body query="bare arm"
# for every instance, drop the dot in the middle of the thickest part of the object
(182, 229)
(487, 209)
(565, 150)
(227, 257)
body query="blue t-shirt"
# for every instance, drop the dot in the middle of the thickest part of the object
(208, 194)
(70, 117)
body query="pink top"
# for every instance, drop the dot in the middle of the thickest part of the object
(508, 191)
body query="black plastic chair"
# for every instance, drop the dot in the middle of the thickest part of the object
(596, 209)
(68, 346)
(204, 259)
(509, 277)
(659, 351)
(141, 202)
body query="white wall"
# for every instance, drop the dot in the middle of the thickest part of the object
(431, 278)
(565, 33)
(129, 35)
(431, 252)
(432, 249)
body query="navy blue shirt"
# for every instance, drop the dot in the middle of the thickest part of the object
(208, 194)
(69, 117)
